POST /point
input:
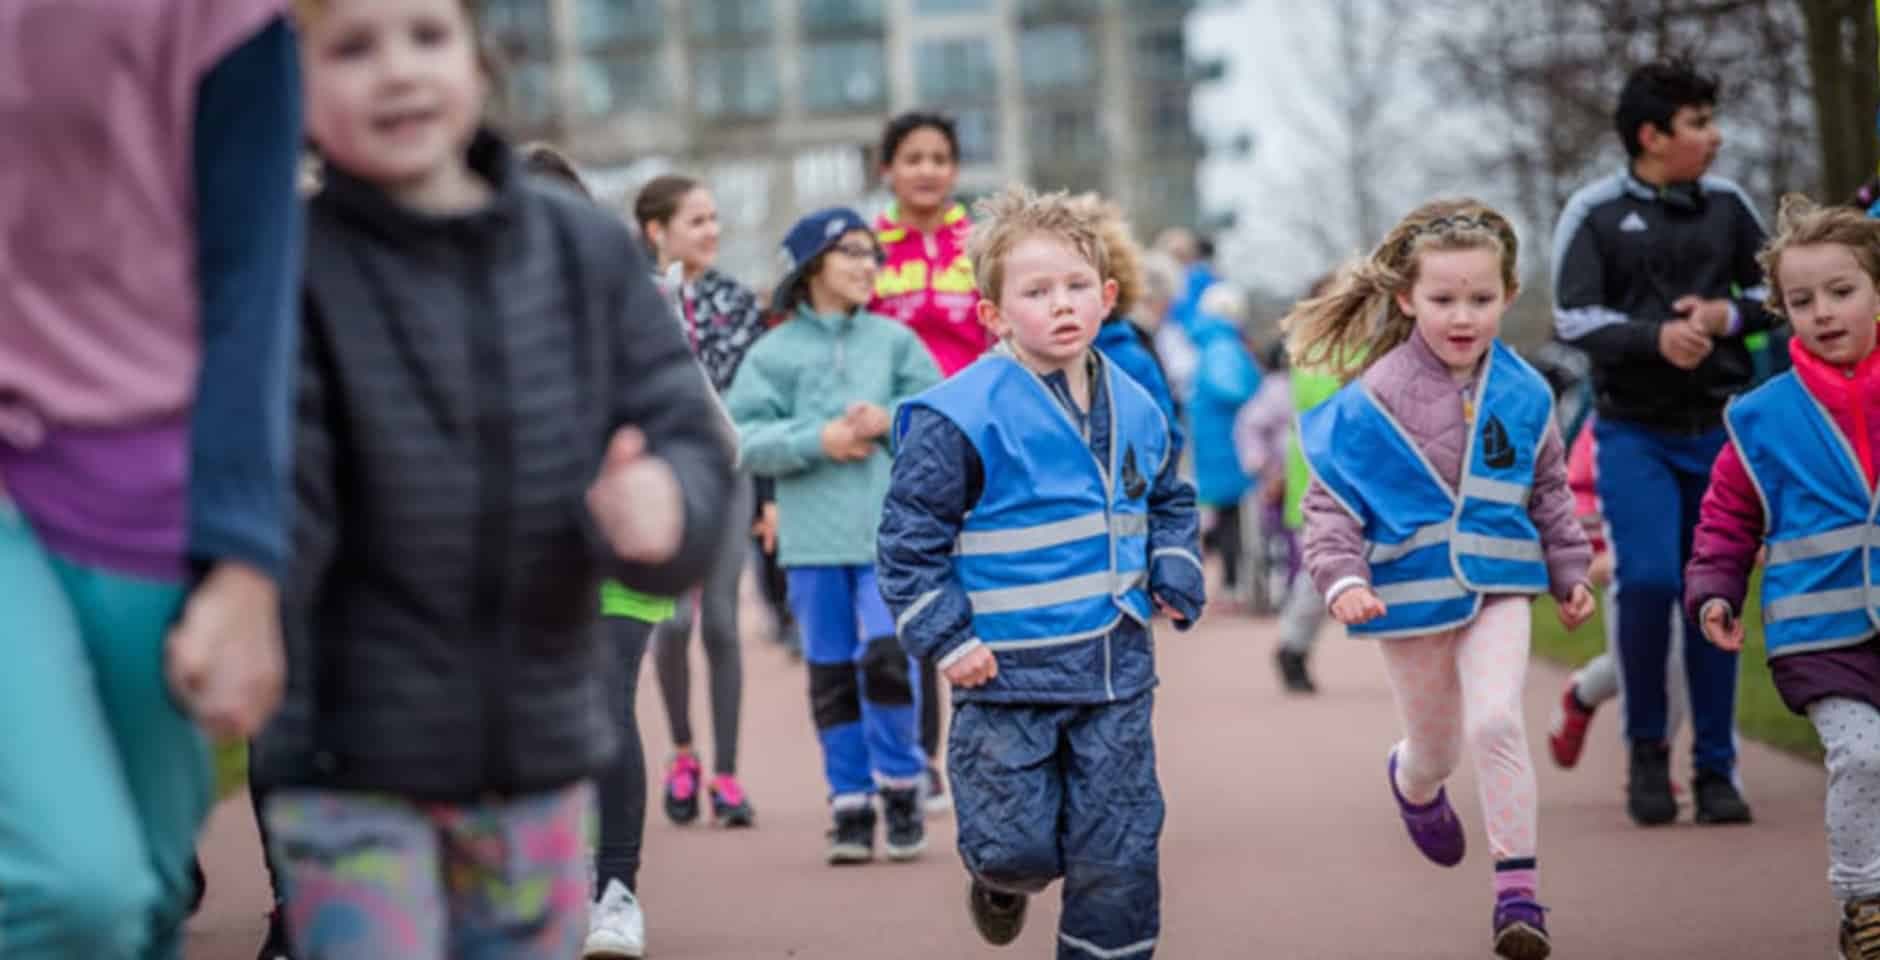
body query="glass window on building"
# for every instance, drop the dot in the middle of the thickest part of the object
(1162, 55)
(1030, 10)
(528, 92)
(516, 25)
(844, 76)
(821, 16)
(605, 23)
(1056, 58)
(730, 18)
(951, 6)
(739, 82)
(1065, 134)
(1170, 127)
(614, 83)
(959, 68)
(979, 134)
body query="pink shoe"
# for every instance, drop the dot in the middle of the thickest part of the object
(730, 807)
(682, 789)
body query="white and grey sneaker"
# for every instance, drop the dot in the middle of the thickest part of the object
(616, 927)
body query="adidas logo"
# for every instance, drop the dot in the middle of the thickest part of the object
(1633, 223)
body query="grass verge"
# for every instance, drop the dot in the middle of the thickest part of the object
(1759, 711)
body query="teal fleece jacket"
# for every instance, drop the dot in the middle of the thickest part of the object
(796, 379)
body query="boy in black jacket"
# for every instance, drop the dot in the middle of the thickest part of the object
(1655, 278)
(496, 409)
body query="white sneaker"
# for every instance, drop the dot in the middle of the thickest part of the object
(616, 927)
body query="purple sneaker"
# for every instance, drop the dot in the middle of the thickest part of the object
(1521, 928)
(1433, 827)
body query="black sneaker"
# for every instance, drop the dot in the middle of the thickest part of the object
(1292, 672)
(997, 915)
(852, 839)
(1648, 791)
(1717, 799)
(907, 833)
(276, 946)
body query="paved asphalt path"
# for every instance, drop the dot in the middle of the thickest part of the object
(1281, 842)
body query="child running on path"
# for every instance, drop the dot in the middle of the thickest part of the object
(1034, 526)
(1798, 476)
(149, 249)
(496, 411)
(1439, 505)
(812, 404)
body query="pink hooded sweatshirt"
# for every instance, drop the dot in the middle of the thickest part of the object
(927, 284)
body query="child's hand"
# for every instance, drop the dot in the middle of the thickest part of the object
(1600, 573)
(1357, 605)
(843, 443)
(869, 420)
(973, 670)
(1720, 625)
(1710, 316)
(636, 501)
(765, 529)
(1579, 607)
(223, 657)
(1173, 614)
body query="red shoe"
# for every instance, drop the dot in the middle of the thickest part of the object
(1566, 734)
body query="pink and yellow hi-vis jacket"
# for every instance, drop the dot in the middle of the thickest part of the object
(932, 294)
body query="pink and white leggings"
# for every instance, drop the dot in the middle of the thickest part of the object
(1465, 685)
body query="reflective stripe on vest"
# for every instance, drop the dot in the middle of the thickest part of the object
(1056, 550)
(1819, 510)
(1433, 550)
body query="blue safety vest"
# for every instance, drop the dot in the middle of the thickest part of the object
(1056, 550)
(1818, 579)
(1434, 552)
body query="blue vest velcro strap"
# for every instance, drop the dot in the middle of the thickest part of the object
(1823, 545)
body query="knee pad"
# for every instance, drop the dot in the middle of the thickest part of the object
(834, 695)
(885, 677)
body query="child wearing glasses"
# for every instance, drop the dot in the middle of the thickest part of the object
(812, 402)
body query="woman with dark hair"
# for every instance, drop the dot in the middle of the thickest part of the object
(927, 283)
(678, 220)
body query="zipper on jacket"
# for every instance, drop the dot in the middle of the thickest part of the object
(495, 454)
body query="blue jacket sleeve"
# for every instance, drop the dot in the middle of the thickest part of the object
(247, 152)
(929, 493)
(1175, 574)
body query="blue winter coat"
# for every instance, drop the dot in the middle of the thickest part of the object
(1224, 381)
(1125, 346)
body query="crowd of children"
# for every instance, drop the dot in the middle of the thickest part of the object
(379, 521)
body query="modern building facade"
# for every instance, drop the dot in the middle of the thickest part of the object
(779, 104)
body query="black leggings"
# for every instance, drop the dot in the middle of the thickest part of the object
(718, 625)
(621, 787)
(1225, 539)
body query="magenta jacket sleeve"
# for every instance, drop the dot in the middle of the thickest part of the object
(1551, 508)
(1729, 536)
(1334, 544)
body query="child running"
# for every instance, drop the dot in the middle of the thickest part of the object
(812, 402)
(1798, 477)
(1439, 505)
(496, 411)
(1034, 526)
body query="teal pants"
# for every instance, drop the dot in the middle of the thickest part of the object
(103, 780)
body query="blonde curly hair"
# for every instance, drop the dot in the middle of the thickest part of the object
(1003, 219)
(1801, 222)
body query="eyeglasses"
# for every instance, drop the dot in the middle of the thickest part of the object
(861, 251)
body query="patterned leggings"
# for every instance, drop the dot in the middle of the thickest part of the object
(1465, 684)
(374, 876)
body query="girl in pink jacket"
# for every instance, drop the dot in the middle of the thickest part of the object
(1798, 476)
(1438, 506)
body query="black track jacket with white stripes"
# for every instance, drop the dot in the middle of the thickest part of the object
(1624, 252)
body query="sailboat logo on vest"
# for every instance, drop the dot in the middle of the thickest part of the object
(1497, 450)
(1133, 482)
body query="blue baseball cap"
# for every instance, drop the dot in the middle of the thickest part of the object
(810, 238)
